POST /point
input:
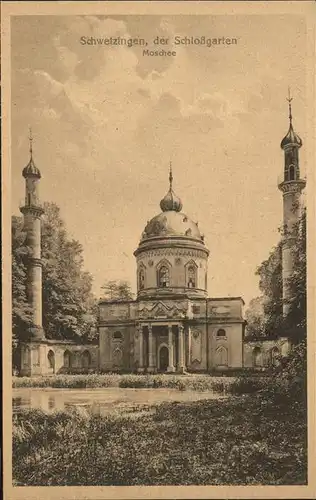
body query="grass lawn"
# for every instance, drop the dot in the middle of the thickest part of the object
(242, 440)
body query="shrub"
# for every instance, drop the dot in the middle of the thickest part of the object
(180, 382)
(288, 384)
(246, 385)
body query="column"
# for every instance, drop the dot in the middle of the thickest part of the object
(150, 349)
(171, 367)
(181, 365)
(189, 347)
(141, 348)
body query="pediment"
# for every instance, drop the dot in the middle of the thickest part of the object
(161, 310)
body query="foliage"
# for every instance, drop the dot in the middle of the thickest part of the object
(253, 439)
(241, 385)
(254, 317)
(180, 382)
(21, 311)
(69, 307)
(67, 298)
(288, 384)
(264, 316)
(237, 441)
(296, 322)
(117, 290)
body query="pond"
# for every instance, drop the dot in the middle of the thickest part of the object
(103, 400)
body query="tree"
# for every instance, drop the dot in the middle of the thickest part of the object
(254, 317)
(67, 289)
(68, 303)
(21, 311)
(296, 321)
(117, 290)
(270, 285)
(269, 321)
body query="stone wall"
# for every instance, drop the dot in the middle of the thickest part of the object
(263, 353)
(53, 357)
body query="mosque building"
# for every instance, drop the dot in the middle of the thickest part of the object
(172, 326)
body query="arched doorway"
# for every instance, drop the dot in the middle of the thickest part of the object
(86, 360)
(51, 361)
(221, 356)
(256, 357)
(163, 358)
(67, 359)
(26, 357)
(275, 353)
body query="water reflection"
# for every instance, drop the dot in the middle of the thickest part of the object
(105, 400)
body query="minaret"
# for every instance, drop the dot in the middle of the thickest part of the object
(32, 212)
(291, 186)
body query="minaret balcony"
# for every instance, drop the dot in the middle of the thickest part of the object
(291, 185)
(33, 208)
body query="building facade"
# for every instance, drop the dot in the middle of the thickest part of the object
(172, 326)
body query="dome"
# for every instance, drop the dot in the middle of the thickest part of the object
(171, 223)
(31, 169)
(291, 138)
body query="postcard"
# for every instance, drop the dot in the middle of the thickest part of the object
(158, 249)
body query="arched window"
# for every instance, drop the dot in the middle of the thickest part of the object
(221, 356)
(26, 356)
(257, 357)
(67, 359)
(191, 277)
(86, 359)
(117, 357)
(117, 336)
(275, 353)
(292, 173)
(163, 277)
(141, 279)
(51, 359)
(221, 333)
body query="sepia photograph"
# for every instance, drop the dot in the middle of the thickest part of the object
(159, 181)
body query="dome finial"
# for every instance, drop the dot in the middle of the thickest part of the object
(170, 201)
(170, 176)
(289, 100)
(31, 169)
(291, 138)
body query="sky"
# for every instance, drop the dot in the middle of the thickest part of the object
(107, 121)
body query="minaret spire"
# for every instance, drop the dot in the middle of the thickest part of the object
(31, 143)
(32, 212)
(291, 186)
(289, 100)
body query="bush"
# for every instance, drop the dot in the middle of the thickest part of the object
(68, 381)
(288, 384)
(246, 385)
(180, 382)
